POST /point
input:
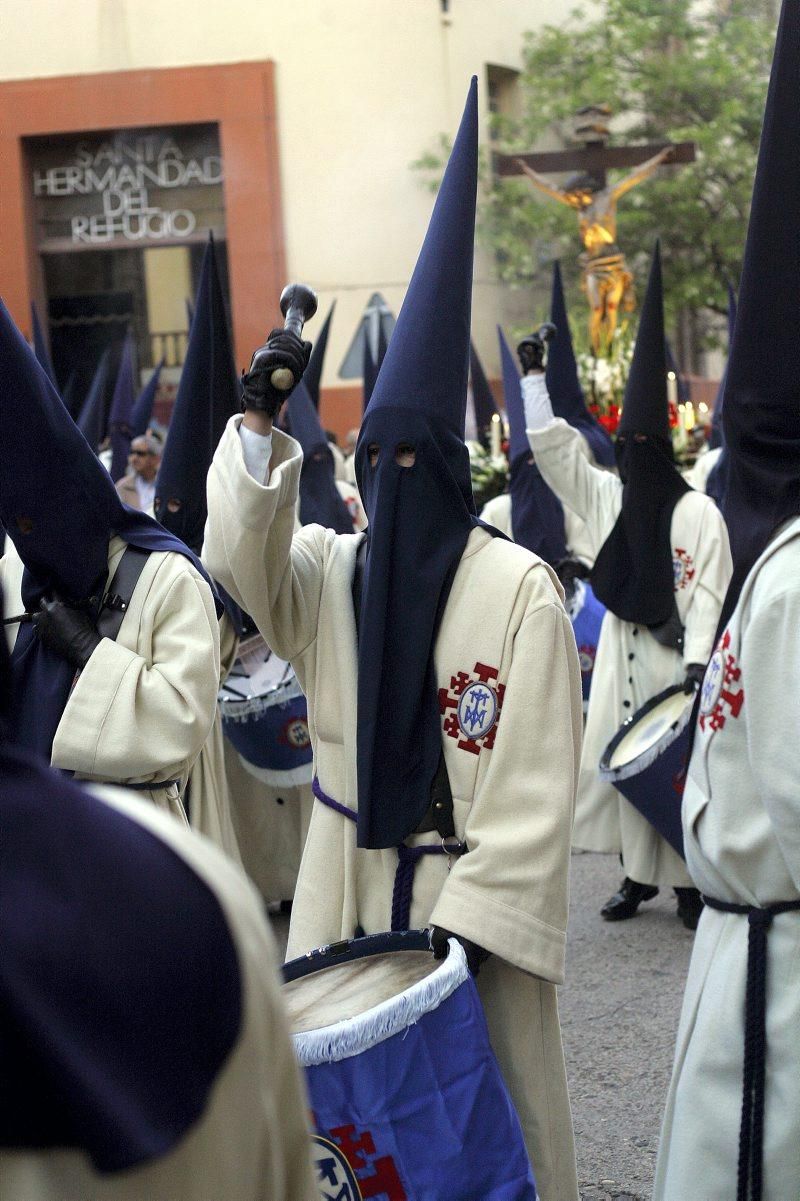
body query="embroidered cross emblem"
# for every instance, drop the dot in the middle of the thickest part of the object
(719, 698)
(683, 568)
(471, 707)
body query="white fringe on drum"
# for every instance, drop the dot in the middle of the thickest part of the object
(293, 777)
(354, 1035)
(646, 758)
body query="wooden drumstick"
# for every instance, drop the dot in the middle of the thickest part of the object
(298, 305)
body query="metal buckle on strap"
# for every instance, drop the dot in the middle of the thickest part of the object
(453, 849)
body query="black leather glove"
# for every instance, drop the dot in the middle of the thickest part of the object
(475, 954)
(68, 631)
(281, 349)
(695, 673)
(532, 349)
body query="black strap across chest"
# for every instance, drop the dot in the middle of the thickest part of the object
(118, 595)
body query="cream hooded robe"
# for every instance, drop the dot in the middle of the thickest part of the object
(143, 706)
(631, 666)
(513, 789)
(741, 825)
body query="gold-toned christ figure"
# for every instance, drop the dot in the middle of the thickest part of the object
(606, 279)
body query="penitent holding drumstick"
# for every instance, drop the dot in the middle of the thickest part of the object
(429, 649)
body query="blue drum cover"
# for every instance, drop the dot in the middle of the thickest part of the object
(273, 734)
(423, 1115)
(586, 624)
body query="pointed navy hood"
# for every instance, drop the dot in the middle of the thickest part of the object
(633, 575)
(208, 395)
(320, 499)
(715, 435)
(92, 416)
(40, 347)
(537, 515)
(420, 516)
(119, 419)
(312, 376)
(761, 409)
(142, 411)
(563, 384)
(59, 508)
(482, 397)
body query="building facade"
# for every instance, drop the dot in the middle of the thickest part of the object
(133, 128)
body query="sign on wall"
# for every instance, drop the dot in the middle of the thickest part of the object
(132, 187)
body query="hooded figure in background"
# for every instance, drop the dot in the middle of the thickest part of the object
(481, 407)
(312, 376)
(563, 384)
(456, 642)
(134, 707)
(530, 512)
(661, 569)
(40, 347)
(109, 1088)
(142, 410)
(119, 418)
(208, 395)
(323, 499)
(735, 1090)
(91, 419)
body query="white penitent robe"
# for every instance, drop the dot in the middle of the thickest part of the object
(251, 1143)
(208, 790)
(698, 473)
(143, 706)
(741, 823)
(505, 629)
(631, 666)
(497, 512)
(351, 497)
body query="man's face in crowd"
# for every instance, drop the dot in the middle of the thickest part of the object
(143, 459)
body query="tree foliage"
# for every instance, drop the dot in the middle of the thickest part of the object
(671, 70)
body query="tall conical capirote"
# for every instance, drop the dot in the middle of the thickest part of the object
(40, 347)
(119, 419)
(320, 499)
(312, 376)
(645, 409)
(369, 375)
(59, 508)
(427, 361)
(761, 407)
(377, 317)
(91, 418)
(69, 395)
(715, 434)
(208, 395)
(563, 383)
(420, 515)
(482, 396)
(633, 574)
(142, 411)
(537, 515)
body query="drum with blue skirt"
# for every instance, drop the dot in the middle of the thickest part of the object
(406, 1094)
(646, 761)
(265, 716)
(586, 614)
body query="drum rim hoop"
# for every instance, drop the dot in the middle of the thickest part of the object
(645, 758)
(350, 1037)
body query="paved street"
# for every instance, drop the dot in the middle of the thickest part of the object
(619, 1014)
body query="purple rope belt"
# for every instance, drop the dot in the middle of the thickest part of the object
(407, 860)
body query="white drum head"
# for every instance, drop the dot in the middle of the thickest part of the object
(256, 672)
(339, 993)
(648, 730)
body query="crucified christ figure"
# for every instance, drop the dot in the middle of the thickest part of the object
(606, 279)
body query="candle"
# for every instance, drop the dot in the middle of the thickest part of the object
(672, 388)
(494, 435)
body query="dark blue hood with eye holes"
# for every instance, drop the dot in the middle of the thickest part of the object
(320, 499)
(420, 517)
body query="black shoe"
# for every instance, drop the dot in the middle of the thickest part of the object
(690, 906)
(624, 903)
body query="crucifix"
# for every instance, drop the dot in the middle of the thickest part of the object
(607, 281)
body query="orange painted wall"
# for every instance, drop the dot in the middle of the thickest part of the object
(240, 97)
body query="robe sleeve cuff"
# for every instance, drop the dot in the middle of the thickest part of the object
(257, 503)
(521, 939)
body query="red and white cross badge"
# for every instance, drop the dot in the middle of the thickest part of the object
(719, 696)
(475, 700)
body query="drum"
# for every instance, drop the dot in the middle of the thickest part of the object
(586, 614)
(646, 761)
(405, 1091)
(265, 716)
